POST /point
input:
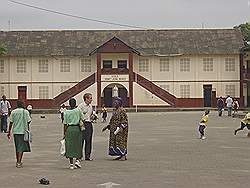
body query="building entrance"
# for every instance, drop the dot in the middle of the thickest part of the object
(109, 92)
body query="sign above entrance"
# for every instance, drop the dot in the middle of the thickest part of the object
(116, 77)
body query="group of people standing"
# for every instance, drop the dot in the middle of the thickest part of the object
(78, 131)
(231, 105)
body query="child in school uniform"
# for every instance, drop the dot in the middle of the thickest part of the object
(245, 122)
(203, 124)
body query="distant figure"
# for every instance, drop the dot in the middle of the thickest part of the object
(220, 105)
(94, 116)
(5, 110)
(229, 103)
(235, 107)
(245, 122)
(104, 113)
(29, 108)
(203, 124)
(19, 121)
(62, 110)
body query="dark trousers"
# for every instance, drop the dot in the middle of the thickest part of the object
(229, 111)
(201, 130)
(4, 123)
(62, 117)
(87, 139)
(242, 126)
(220, 111)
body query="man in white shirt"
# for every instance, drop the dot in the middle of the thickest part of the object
(87, 111)
(4, 111)
(229, 102)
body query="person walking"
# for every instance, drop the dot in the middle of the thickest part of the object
(5, 109)
(220, 105)
(19, 121)
(245, 122)
(104, 113)
(203, 124)
(87, 133)
(236, 107)
(118, 127)
(73, 134)
(229, 103)
(29, 108)
(62, 110)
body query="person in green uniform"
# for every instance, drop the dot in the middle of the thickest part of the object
(19, 121)
(73, 134)
(245, 122)
(203, 124)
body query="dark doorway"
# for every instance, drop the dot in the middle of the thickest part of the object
(248, 94)
(207, 94)
(107, 97)
(108, 94)
(123, 94)
(22, 94)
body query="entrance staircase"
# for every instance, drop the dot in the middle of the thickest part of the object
(156, 90)
(71, 92)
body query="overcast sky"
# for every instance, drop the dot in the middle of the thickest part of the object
(143, 13)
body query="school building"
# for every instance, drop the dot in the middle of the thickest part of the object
(159, 68)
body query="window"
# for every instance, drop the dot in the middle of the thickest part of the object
(1, 66)
(165, 87)
(43, 92)
(185, 91)
(85, 65)
(230, 90)
(230, 64)
(43, 65)
(21, 66)
(185, 65)
(122, 64)
(65, 65)
(164, 65)
(143, 65)
(64, 88)
(1, 91)
(107, 64)
(207, 64)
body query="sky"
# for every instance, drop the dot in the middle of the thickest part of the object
(149, 14)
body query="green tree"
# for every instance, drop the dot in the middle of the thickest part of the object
(245, 29)
(3, 50)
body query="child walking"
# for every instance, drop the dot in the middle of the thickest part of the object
(245, 122)
(203, 124)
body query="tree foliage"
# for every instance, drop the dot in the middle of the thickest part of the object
(3, 50)
(245, 29)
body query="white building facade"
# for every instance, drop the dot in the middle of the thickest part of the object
(172, 68)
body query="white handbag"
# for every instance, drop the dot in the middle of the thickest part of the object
(62, 147)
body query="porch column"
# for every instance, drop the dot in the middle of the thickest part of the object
(241, 80)
(98, 78)
(131, 78)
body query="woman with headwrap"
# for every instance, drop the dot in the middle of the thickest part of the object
(118, 127)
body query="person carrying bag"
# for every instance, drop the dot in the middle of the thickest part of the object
(19, 121)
